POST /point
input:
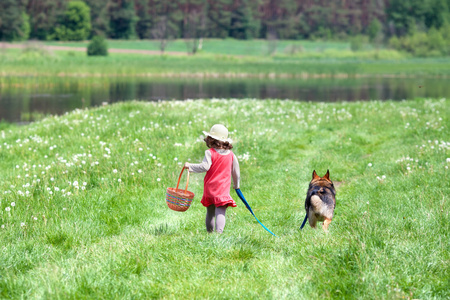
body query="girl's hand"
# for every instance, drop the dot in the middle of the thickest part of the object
(186, 165)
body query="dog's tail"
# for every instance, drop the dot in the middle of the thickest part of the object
(304, 222)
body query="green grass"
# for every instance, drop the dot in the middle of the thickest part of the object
(223, 46)
(113, 237)
(220, 58)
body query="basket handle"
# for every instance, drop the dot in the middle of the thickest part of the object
(187, 181)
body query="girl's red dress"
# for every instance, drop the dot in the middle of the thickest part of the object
(218, 180)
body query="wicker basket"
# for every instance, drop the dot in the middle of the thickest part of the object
(178, 199)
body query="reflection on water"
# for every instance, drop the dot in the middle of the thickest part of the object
(28, 102)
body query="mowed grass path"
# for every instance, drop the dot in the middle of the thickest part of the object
(83, 215)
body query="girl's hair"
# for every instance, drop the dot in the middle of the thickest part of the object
(213, 143)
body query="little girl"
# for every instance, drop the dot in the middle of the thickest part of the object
(220, 164)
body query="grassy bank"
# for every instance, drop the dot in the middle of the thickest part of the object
(82, 211)
(329, 62)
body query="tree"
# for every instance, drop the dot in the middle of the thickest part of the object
(218, 13)
(407, 16)
(146, 19)
(99, 17)
(43, 17)
(167, 22)
(122, 19)
(14, 22)
(194, 23)
(158, 19)
(242, 24)
(162, 32)
(75, 25)
(194, 30)
(437, 13)
(277, 21)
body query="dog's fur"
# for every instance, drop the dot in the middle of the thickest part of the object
(320, 200)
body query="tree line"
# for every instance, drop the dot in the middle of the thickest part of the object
(239, 19)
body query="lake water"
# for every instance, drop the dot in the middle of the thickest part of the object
(31, 101)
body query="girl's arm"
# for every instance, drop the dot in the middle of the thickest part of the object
(235, 173)
(201, 167)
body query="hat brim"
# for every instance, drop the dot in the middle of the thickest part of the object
(217, 138)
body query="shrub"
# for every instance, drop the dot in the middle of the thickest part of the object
(357, 42)
(97, 47)
(433, 43)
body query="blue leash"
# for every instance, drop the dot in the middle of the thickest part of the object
(239, 193)
(304, 221)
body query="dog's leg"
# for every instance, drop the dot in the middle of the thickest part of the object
(312, 218)
(325, 224)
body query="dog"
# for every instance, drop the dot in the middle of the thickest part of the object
(320, 201)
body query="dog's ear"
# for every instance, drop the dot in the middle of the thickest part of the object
(327, 176)
(315, 176)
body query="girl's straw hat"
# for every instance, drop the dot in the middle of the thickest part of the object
(218, 132)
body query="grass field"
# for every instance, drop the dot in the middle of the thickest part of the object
(225, 46)
(83, 215)
(219, 58)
